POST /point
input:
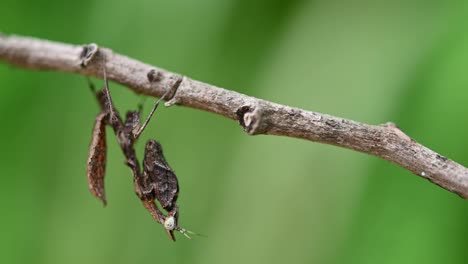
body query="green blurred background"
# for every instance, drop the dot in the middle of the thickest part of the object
(258, 199)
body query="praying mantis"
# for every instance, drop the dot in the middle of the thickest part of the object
(154, 181)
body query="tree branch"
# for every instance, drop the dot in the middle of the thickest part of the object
(255, 115)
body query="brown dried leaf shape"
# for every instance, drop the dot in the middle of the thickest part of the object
(96, 166)
(158, 177)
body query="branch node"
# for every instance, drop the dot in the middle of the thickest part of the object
(174, 87)
(250, 118)
(392, 126)
(154, 76)
(87, 54)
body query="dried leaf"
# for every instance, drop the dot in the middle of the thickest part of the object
(96, 166)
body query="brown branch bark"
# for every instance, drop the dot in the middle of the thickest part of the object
(255, 115)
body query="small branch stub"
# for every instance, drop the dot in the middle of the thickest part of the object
(251, 119)
(88, 54)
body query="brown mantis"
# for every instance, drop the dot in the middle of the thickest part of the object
(154, 181)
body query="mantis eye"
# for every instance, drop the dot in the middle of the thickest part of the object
(170, 223)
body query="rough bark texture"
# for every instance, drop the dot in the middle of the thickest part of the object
(256, 116)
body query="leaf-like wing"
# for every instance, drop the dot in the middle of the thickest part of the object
(96, 166)
(158, 176)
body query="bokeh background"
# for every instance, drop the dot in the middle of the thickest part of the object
(257, 199)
